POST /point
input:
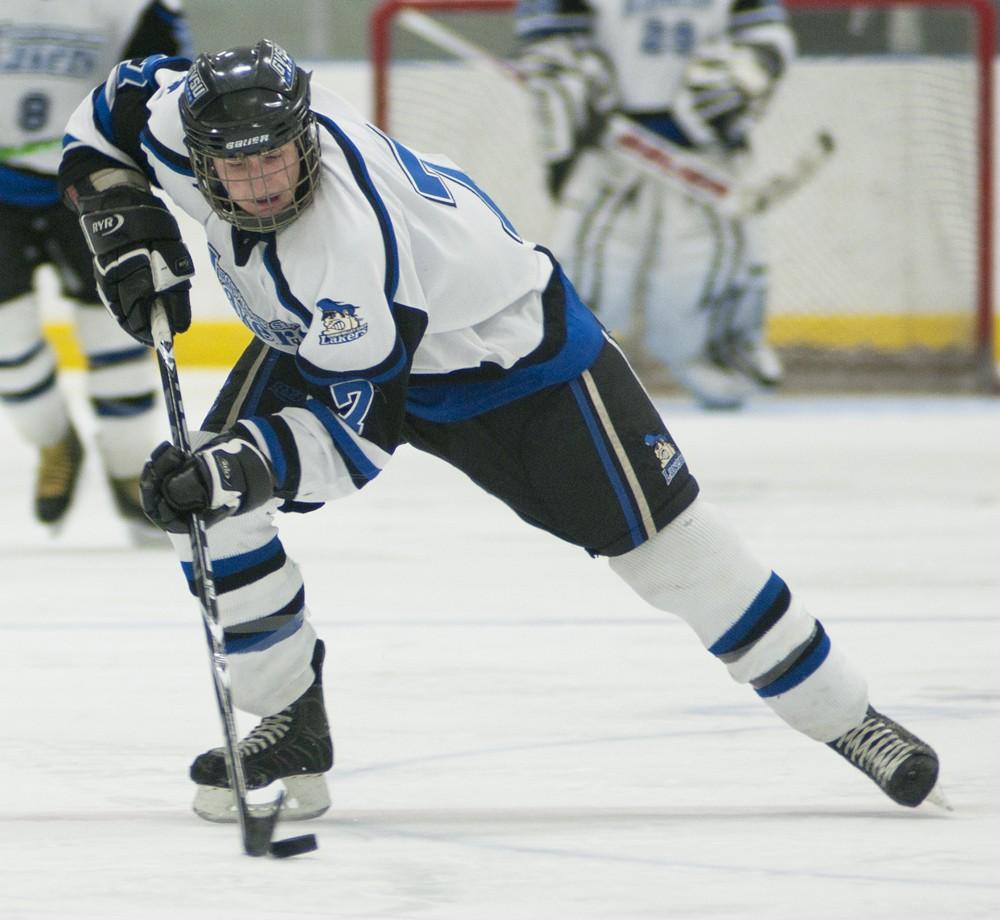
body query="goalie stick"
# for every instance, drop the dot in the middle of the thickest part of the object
(257, 825)
(649, 152)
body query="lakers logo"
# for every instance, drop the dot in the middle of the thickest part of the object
(341, 322)
(670, 458)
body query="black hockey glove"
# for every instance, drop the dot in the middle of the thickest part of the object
(138, 256)
(228, 475)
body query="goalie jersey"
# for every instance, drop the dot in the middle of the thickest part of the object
(637, 56)
(51, 55)
(401, 288)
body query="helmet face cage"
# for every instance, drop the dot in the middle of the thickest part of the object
(301, 177)
(252, 139)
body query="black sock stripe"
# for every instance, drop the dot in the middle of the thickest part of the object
(777, 609)
(24, 395)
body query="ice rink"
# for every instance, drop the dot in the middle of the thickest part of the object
(517, 735)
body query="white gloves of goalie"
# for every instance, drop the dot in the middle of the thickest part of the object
(725, 87)
(573, 89)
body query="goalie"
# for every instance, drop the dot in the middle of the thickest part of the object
(663, 267)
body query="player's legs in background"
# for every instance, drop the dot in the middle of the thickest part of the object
(656, 268)
(120, 373)
(688, 298)
(28, 376)
(741, 342)
(600, 249)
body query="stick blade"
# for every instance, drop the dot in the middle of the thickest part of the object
(258, 829)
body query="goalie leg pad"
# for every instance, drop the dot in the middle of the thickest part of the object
(698, 568)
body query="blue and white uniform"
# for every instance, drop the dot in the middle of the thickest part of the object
(446, 286)
(51, 55)
(400, 304)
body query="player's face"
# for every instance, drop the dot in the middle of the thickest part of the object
(262, 184)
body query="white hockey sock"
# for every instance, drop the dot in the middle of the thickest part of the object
(269, 640)
(698, 568)
(121, 383)
(28, 388)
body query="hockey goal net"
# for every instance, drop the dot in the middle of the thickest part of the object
(880, 263)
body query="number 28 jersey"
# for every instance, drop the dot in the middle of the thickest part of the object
(649, 42)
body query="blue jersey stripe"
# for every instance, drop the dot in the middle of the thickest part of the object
(288, 300)
(361, 466)
(165, 155)
(273, 448)
(360, 172)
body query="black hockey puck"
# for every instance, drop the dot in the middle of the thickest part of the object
(293, 846)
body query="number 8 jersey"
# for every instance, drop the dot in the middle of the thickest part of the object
(52, 53)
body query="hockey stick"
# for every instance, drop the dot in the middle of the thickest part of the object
(256, 829)
(649, 152)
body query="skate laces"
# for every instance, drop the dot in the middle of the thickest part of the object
(876, 748)
(269, 732)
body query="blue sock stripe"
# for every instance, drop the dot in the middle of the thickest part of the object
(614, 479)
(805, 665)
(112, 358)
(256, 642)
(122, 407)
(762, 604)
(233, 565)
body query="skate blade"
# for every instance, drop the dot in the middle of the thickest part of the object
(306, 797)
(937, 797)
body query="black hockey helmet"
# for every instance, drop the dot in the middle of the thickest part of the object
(241, 103)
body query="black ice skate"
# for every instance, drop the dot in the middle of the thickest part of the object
(292, 746)
(901, 765)
(58, 471)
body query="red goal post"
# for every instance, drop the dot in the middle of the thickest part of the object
(824, 321)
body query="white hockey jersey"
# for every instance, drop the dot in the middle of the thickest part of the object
(52, 53)
(649, 42)
(401, 285)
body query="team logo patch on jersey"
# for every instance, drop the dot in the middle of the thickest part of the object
(670, 458)
(341, 322)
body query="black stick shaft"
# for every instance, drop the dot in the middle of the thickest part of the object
(255, 831)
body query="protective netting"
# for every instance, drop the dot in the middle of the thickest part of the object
(876, 263)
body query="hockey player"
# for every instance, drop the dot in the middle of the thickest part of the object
(662, 267)
(51, 55)
(392, 301)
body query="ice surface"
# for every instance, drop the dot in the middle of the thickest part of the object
(518, 736)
